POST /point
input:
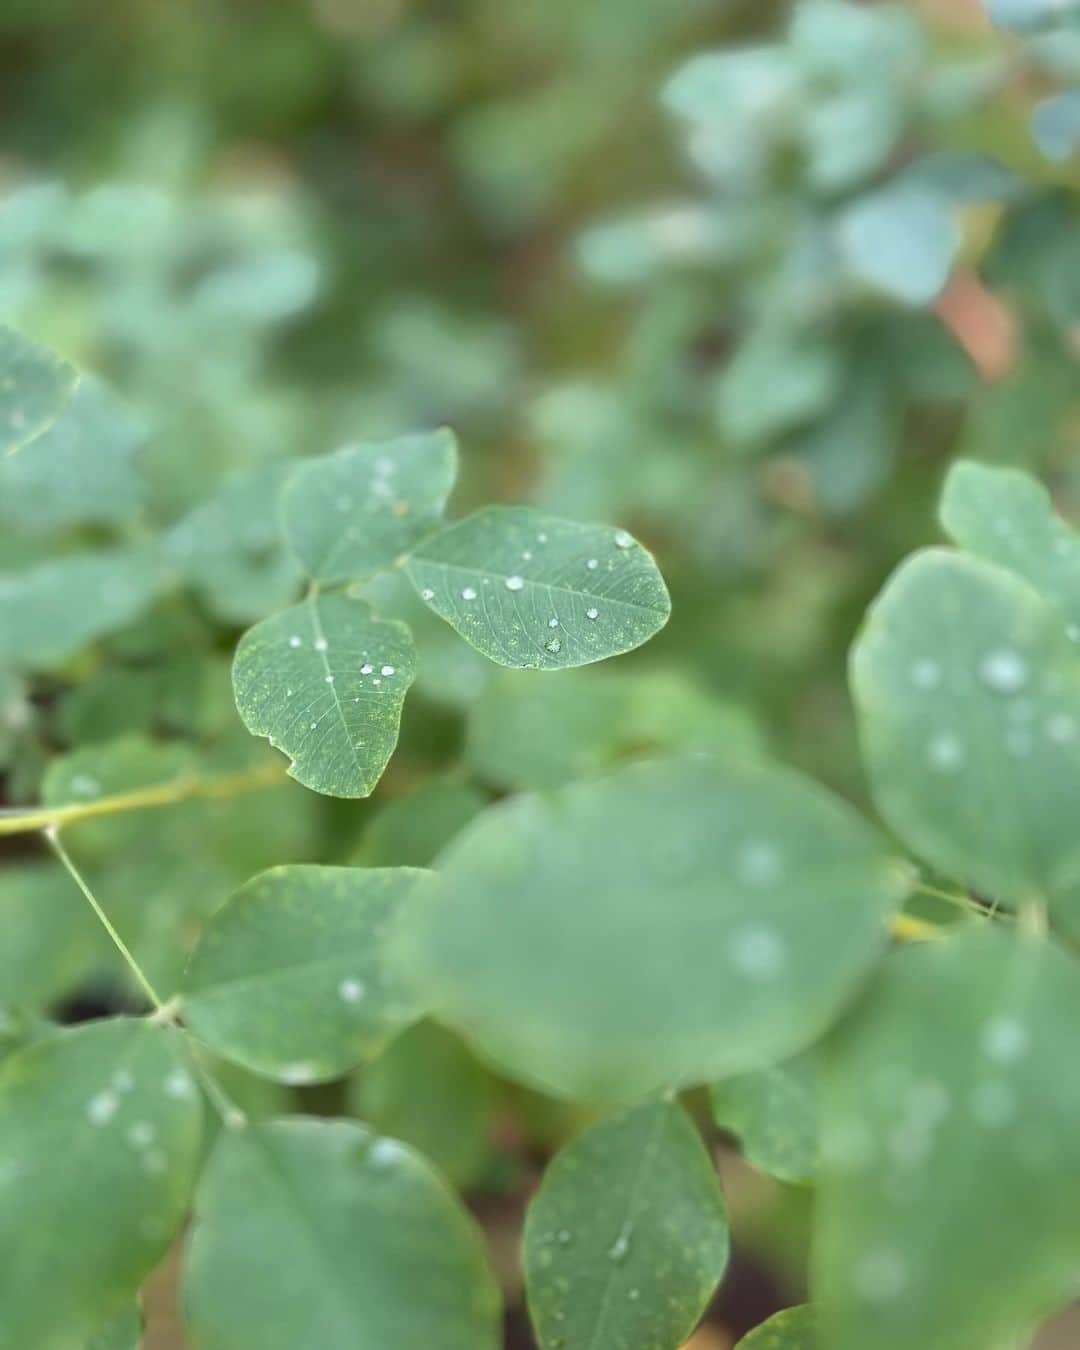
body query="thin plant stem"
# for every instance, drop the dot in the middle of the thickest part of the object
(52, 835)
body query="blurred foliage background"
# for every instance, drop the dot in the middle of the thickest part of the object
(274, 226)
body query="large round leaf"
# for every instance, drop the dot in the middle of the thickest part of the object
(352, 513)
(320, 1234)
(324, 681)
(99, 1143)
(289, 977)
(950, 1177)
(626, 1239)
(968, 695)
(534, 591)
(673, 923)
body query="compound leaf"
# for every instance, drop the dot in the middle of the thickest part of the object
(325, 681)
(533, 591)
(627, 1237)
(355, 512)
(289, 977)
(359, 1243)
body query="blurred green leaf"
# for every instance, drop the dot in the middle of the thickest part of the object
(948, 1128)
(99, 1140)
(626, 1239)
(600, 981)
(359, 1243)
(359, 510)
(35, 388)
(792, 1329)
(773, 1113)
(902, 240)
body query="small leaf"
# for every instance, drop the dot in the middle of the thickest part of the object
(1007, 518)
(49, 613)
(230, 551)
(1055, 124)
(35, 388)
(774, 1115)
(82, 469)
(325, 681)
(534, 591)
(99, 1142)
(902, 240)
(429, 1091)
(967, 691)
(356, 512)
(792, 1329)
(949, 1109)
(359, 1243)
(673, 923)
(627, 1238)
(289, 978)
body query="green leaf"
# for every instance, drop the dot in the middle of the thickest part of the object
(355, 512)
(289, 977)
(409, 831)
(1007, 517)
(49, 613)
(230, 551)
(626, 1239)
(123, 1332)
(801, 373)
(948, 1132)
(99, 1142)
(1055, 124)
(1030, 15)
(35, 388)
(774, 1115)
(82, 469)
(428, 1090)
(325, 681)
(792, 1329)
(325, 1234)
(968, 696)
(534, 591)
(902, 239)
(527, 731)
(659, 932)
(50, 940)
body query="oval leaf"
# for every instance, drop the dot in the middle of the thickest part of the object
(774, 1115)
(99, 1143)
(627, 1238)
(35, 388)
(673, 923)
(968, 696)
(534, 591)
(355, 512)
(949, 1109)
(902, 240)
(289, 978)
(324, 681)
(359, 1244)
(792, 1329)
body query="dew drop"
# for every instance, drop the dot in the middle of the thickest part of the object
(179, 1086)
(123, 1081)
(880, 1276)
(541, 538)
(101, 1108)
(527, 555)
(321, 644)
(469, 593)
(1004, 671)
(620, 1248)
(926, 674)
(427, 593)
(515, 583)
(312, 726)
(945, 753)
(389, 670)
(757, 951)
(367, 668)
(758, 862)
(1004, 1039)
(385, 1152)
(329, 679)
(294, 641)
(593, 564)
(622, 539)
(564, 1237)
(633, 1295)
(298, 1074)
(351, 991)
(1061, 728)
(553, 645)
(141, 1134)
(593, 613)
